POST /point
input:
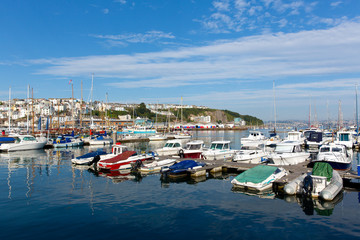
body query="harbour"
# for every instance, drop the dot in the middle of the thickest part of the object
(44, 183)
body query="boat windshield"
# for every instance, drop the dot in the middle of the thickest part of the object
(344, 137)
(284, 148)
(169, 144)
(325, 149)
(29, 139)
(193, 146)
(336, 149)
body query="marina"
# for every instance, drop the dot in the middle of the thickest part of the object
(41, 182)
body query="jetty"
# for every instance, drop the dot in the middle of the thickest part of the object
(214, 167)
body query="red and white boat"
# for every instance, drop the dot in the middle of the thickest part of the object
(193, 149)
(121, 158)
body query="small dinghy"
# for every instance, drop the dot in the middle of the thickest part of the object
(87, 158)
(324, 182)
(182, 167)
(259, 178)
(156, 166)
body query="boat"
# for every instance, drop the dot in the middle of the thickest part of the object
(273, 139)
(323, 182)
(315, 140)
(336, 155)
(6, 140)
(219, 150)
(259, 178)
(23, 142)
(171, 147)
(254, 139)
(346, 138)
(87, 158)
(181, 168)
(67, 141)
(182, 135)
(249, 155)
(122, 161)
(287, 153)
(296, 136)
(158, 137)
(156, 166)
(193, 149)
(101, 140)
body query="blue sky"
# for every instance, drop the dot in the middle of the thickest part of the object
(223, 54)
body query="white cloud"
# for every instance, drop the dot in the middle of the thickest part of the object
(105, 11)
(221, 5)
(120, 1)
(335, 4)
(256, 58)
(148, 37)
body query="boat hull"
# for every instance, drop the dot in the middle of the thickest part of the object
(22, 147)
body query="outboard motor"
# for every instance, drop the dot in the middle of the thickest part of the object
(308, 186)
(136, 165)
(181, 153)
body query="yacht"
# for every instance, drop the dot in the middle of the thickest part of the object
(24, 142)
(171, 147)
(288, 153)
(254, 139)
(336, 155)
(346, 138)
(193, 149)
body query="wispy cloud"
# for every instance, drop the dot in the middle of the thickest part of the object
(256, 58)
(335, 4)
(105, 10)
(148, 37)
(239, 15)
(120, 1)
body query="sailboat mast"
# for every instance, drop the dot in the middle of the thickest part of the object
(106, 115)
(32, 109)
(91, 99)
(81, 103)
(357, 118)
(27, 109)
(274, 106)
(9, 108)
(181, 116)
(72, 106)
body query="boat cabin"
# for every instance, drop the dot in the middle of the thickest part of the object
(172, 144)
(295, 136)
(220, 145)
(118, 149)
(194, 145)
(288, 147)
(256, 135)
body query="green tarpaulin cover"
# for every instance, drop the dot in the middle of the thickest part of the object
(256, 174)
(323, 169)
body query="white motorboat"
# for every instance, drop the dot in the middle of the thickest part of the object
(171, 147)
(296, 136)
(158, 137)
(182, 135)
(248, 155)
(254, 139)
(273, 139)
(323, 182)
(156, 166)
(219, 150)
(23, 142)
(346, 138)
(259, 178)
(288, 153)
(193, 149)
(87, 158)
(101, 140)
(64, 142)
(336, 155)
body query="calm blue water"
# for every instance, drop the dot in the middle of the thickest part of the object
(42, 196)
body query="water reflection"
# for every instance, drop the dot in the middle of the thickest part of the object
(318, 206)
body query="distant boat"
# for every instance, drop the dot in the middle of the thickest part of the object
(254, 139)
(248, 155)
(156, 166)
(101, 140)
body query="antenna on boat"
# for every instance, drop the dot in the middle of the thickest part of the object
(9, 109)
(274, 106)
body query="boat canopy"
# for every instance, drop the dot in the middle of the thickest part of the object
(323, 169)
(256, 174)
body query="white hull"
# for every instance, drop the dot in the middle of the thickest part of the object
(167, 152)
(22, 146)
(288, 158)
(101, 142)
(156, 166)
(214, 155)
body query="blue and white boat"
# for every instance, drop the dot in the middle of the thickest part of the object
(336, 155)
(87, 158)
(181, 168)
